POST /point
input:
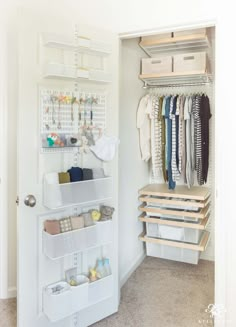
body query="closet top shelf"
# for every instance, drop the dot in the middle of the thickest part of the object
(195, 193)
(81, 44)
(194, 77)
(187, 43)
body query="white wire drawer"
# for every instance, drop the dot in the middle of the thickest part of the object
(69, 194)
(182, 234)
(60, 245)
(175, 250)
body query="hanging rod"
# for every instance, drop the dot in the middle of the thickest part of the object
(146, 85)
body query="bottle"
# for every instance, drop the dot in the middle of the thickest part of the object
(107, 266)
(100, 269)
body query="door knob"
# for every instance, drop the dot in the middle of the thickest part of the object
(30, 200)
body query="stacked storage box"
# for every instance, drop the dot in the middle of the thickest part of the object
(175, 221)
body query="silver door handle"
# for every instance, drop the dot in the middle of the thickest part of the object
(30, 200)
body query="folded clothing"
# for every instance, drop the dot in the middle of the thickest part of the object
(52, 227)
(106, 212)
(87, 174)
(77, 222)
(64, 178)
(76, 174)
(51, 178)
(88, 220)
(98, 173)
(65, 225)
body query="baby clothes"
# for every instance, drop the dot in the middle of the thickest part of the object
(76, 174)
(143, 124)
(64, 178)
(52, 227)
(87, 174)
(105, 147)
(65, 225)
(77, 222)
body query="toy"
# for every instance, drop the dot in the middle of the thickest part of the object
(54, 139)
(106, 212)
(96, 215)
(93, 275)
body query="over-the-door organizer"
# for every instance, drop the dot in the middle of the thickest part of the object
(71, 119)
(175, 221)
(74, 58)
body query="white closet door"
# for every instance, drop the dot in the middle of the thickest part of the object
(35, 270)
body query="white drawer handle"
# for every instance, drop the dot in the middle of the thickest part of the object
(156, 61)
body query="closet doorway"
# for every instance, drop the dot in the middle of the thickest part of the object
(164, 232)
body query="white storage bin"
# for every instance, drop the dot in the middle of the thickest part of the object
(57, 306)
(82, 73)
(190, 62)
(160, 65)
(156, 37)
(172, 253)
(100, 290)
(61, 70)
(190, 32)
(100, 76)
(57, 246)
(182, 234)
(60, 245)
(80, 293)
(104, 231)
(62, 195)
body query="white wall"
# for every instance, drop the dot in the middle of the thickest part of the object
(133, 172)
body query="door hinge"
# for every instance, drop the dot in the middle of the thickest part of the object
(17, 200)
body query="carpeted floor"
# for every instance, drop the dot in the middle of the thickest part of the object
(8, 313)
(163, 293)
(160, 293)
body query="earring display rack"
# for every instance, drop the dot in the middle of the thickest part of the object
(70, 119)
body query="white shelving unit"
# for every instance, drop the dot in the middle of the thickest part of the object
(175, 221)
(81, 46)
(177, 44)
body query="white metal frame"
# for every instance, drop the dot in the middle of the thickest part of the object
(220, 228)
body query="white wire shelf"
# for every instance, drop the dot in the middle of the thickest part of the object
(176, 79)
(178, 44)
(84, 45)
(67, 72)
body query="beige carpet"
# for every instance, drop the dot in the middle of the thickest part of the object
(160, 293)
(8, 313)
(164, 293)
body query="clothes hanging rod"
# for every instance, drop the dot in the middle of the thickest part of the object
(174, 85)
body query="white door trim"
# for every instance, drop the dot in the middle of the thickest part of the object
(3, 166)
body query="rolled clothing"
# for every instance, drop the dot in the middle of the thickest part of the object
(87, 174)
(98, 173)
(77, 222)
(64, 178)
(76, 174)
(52, 227)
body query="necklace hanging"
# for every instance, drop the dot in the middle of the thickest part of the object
(73, 100)
(53, 99)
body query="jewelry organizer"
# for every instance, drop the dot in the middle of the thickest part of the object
(70, 119)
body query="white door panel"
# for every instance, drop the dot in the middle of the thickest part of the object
(35, 269)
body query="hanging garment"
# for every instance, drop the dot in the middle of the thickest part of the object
(180, 108)
(205, 115)
(163, 140)
(188, 137)
(198, 138)
(174, 139)
(169, 104)
(156, 146)
(143, 124)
